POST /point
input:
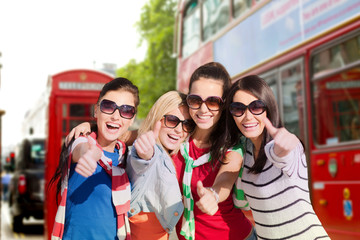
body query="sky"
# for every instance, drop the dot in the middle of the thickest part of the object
(39, 38)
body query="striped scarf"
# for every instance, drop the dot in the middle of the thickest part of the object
(188, 222)
(120, 192)
(238, 195)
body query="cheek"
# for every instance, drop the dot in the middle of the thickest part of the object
(163, 135)
(184, 136)
(192, 113)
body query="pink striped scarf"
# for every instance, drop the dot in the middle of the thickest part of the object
(120, 193)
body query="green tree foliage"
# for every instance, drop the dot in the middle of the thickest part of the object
(157, 73)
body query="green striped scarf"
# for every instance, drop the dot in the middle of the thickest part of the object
(238, 195)
(188, 222)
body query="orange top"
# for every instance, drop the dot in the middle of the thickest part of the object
(145, 225)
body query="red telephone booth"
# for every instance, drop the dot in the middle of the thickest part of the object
(72, 95)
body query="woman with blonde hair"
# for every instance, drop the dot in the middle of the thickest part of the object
(156, 203)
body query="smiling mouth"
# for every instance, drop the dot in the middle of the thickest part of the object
(112, 126)
(203, 117)
(176, 138)
(251, 125)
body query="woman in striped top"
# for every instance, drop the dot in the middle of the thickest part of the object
(275, 179)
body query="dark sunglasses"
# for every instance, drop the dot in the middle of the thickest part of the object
(256, 107)
(213, 103)
(109, 107)
(171, 121)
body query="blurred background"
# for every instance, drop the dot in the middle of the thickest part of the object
(55, 57)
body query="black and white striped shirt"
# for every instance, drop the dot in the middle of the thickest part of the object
(279, 196)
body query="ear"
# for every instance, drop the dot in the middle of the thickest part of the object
(96, 110)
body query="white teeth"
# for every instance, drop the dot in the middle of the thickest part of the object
(250, 125)
(174, 137)
(204, 117)
(113, 125)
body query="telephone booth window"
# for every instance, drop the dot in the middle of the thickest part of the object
(74, 114)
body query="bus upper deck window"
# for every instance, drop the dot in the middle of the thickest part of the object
(336, 57)
(216, 14)
(240, 7)
(191, 29)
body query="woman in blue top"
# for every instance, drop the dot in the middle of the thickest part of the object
(95, 189)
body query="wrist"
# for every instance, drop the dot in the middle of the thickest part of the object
(215, 194)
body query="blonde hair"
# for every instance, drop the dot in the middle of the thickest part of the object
(166, 103)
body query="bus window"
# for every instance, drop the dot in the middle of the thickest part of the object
(191, 29)
(215, 16)
(336, 96)
(292, 96)
(336, 57)
(240, 7)
(271, 80)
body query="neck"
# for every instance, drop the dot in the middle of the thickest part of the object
(257, 144)
(201, 138)
(106, 145)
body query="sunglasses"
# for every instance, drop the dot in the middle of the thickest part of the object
(213, 103)
(256, 107)
(171, 121)
(109, 107)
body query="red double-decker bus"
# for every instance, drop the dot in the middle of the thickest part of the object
(71, 98)
(309, 53)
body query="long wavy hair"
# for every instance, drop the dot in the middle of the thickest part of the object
(217, 72)
(256, 86)
(64, 159)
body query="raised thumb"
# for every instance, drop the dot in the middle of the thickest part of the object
(200, 189)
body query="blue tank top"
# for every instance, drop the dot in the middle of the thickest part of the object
(90, 213)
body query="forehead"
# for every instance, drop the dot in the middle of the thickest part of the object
(181, 112)
(244, 97)
(205, 87)
(120, 97)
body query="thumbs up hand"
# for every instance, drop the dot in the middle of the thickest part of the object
(208, 203)
(284, 141)
(145, 143)
(87, 163)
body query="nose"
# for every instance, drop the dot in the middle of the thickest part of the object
(203, 107)
(116, 115)
(178, 128)
(247, 114)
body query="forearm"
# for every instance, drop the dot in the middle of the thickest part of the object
(223, 184)
(227, 175)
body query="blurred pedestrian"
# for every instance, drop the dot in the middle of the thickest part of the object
(5, 181)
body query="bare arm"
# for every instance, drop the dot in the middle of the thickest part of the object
(222, 186)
